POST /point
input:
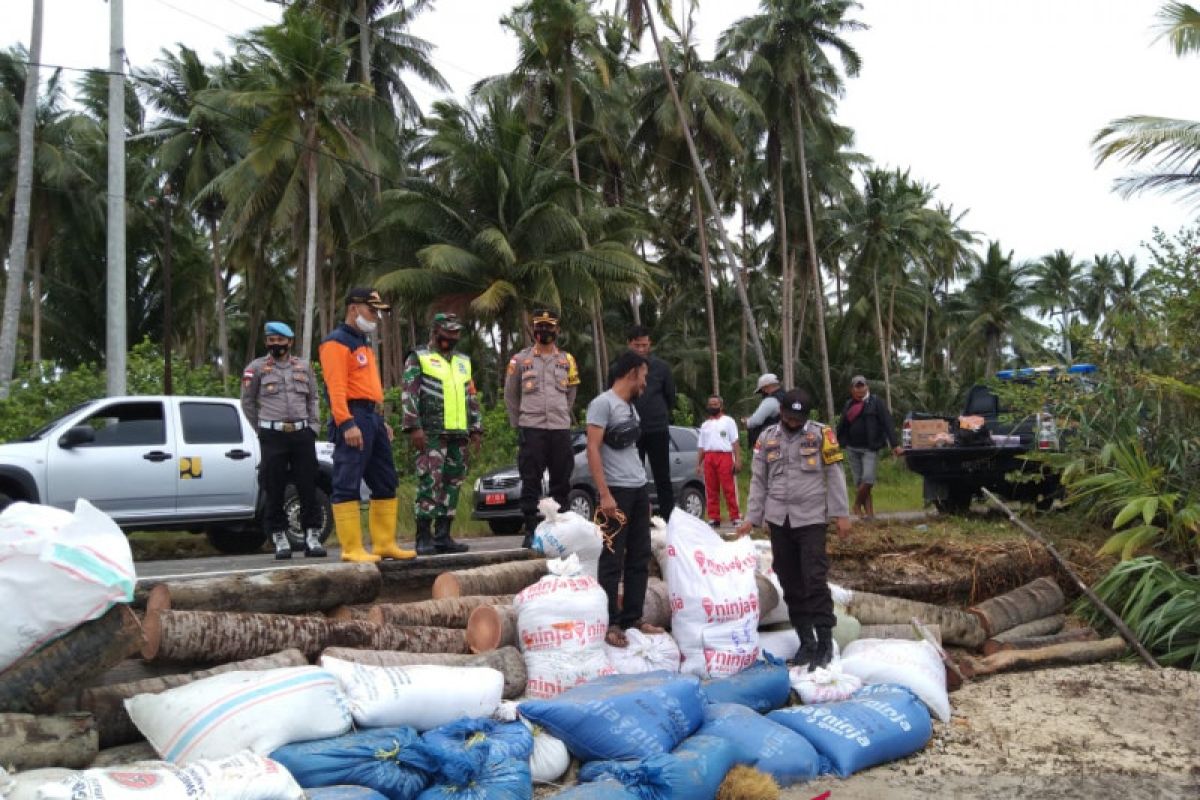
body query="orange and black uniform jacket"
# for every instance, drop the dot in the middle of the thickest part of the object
(348, 364)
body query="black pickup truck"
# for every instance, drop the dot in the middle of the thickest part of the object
(955, 473)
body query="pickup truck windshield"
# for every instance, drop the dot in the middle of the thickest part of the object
(41, 432)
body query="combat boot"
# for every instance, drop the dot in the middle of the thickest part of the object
(348, 525)
(424, 538)
(824, 653)
(441, 538)
(283, 548)
(312, 543)
(808, 647)
(383, 530)
(530, 527)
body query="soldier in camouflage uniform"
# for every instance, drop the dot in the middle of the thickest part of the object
(443, 420)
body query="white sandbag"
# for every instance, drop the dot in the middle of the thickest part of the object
(781, 643)
(841, 595)
(550, 758)
(824, 684)
(243, 776)
(658, 543)
(258, 711)
(714, 597)
(58, 570)
(423, 696)
(913, 665)
(27, 785)
(565, 533)
(561, 622)
(645, 653)
(847, 628)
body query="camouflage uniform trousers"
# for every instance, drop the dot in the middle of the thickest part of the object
(441, 468)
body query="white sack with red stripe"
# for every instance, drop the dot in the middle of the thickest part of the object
(257, 711)
(714, 598)
(561, 622)
(58, 570)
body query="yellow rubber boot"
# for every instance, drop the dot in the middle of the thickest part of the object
(348, 525)
(383, 530)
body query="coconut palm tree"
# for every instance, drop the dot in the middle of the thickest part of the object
(990, 310)
(1055, 283)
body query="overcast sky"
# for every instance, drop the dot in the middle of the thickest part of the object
(992, 102)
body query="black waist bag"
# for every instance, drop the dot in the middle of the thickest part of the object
(623, 434)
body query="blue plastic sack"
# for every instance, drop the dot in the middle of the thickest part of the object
(343, 793)
(480, 759)
(495, 779)
(622, 716)
(694, 771)
(392, 761)
(599, 790)
(763, 687)
(879, 723)
(504, 739)
(768, 746)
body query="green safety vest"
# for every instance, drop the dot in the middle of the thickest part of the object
(454, 377)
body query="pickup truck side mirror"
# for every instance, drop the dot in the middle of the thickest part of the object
(80, 434)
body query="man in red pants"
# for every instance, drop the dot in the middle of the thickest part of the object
(719, 456)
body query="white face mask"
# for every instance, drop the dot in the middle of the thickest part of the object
(365, 325)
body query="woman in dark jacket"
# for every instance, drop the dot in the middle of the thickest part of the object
(864, 429)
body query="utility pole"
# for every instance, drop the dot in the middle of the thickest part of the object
(115, 342)
(18, 251)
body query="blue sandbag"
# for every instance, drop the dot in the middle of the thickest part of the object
(765, 745)
(343, 793)
(763, 687)
(694, 771)
(392, 761)
(505, 739)
(879, 723)
(496, 779)
(480, 759)
(599, 790)
(622, 716)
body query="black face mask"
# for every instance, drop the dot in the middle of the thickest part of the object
(446, 343)
(792, 425)
(277, 351)
(545, 337)
(712, 412)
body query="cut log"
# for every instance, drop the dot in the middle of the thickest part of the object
(768, 595)
(35, 683)
(958, 627)
(135, 669)
(107, 703)
(507, 660)
(290, 590)
(1034, 600)
(125, 754)
(491, 627)
(507, 578)
(34, 742)
(1033, 642)
(448, 612)
(222, 636)
(360, 611)
(657, 608)
(898, 632)
(1038, 627)
(1052, 656)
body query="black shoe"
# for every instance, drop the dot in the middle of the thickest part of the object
(425, 546)
(531, 524)
(442, 542)
(283, 548)
(312, 543)
(824, 653)
(808, 647)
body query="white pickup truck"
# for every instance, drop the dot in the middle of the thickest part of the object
(157, 463)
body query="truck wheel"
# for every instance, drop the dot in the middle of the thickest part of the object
(956, 501)
(505, 527)
(291, 508)
(236, 540)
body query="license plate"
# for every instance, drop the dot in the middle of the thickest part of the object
(495, 499)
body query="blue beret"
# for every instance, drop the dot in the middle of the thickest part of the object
(278, 329)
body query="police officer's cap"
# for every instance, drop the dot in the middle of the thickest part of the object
(447, 322)
(368, 297)
(279, 329)
(793, 403)
(544, 316)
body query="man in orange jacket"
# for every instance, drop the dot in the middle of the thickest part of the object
(362, 439)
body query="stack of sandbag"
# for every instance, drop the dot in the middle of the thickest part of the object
(917, 666)
(391, 761)
(762, 687)
(692, 771)
(763, 744)
(480, 759)
(564, 533)
(561, 623)
(714, 597)
(645, 652)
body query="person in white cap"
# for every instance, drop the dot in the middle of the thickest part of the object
(767, 412)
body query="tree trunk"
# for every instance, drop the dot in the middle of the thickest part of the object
(802, 314)
(708, 290)
(509, 577)
(787, 290)
(35, 304)
(879, 335)
(168, 326)
(958, 626)
(491, 627)
(214, 232)
(107, 703)
(448, 612)
(818, 291)
(1034, 642)
(507, 660)
(362, 612)
(709, 196)
(125, 754)
(1052, 656)
(364, 57)
(1038, 627)
(29, 742)
(36, 682)
(310, 279)
(281, 591)
(1034, 600)
(17, 254)
(898, 631)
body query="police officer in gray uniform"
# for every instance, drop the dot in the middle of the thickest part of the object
(279, 397)
(796, 488)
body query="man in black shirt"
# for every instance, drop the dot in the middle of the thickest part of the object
(864, 429)
(654, 406)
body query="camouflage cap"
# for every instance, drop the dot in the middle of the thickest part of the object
(447, 321)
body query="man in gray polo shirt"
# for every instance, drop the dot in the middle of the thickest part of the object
(613, 429)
